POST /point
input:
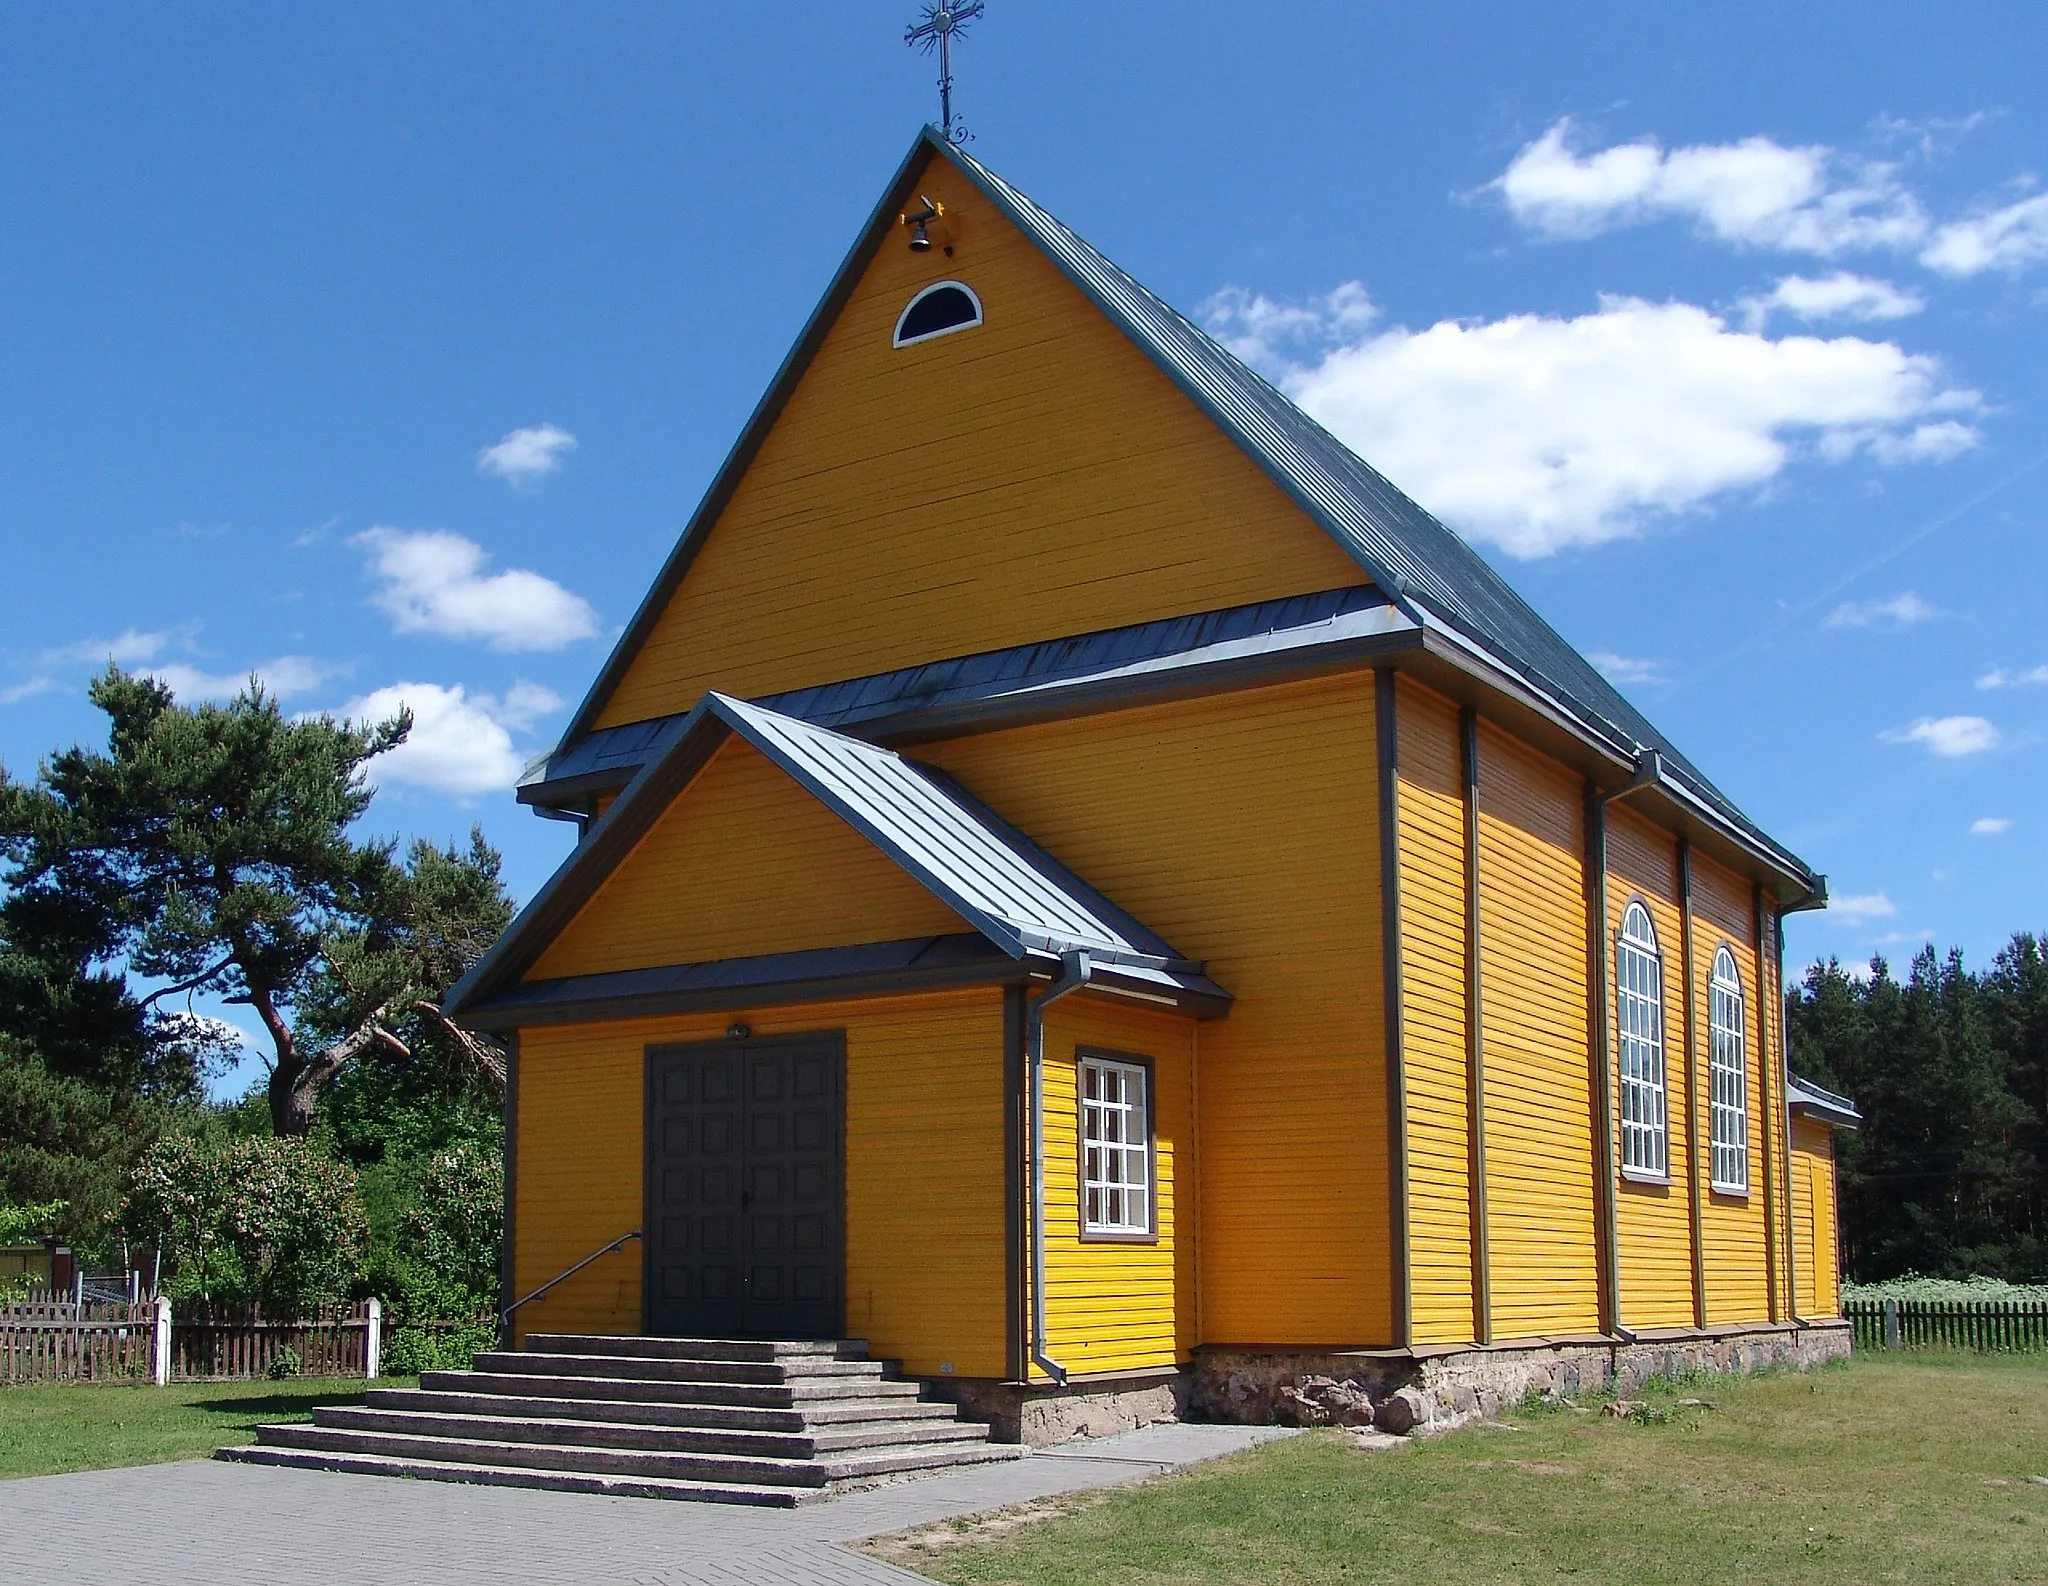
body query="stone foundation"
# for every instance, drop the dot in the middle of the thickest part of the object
(1438, 1387)
(1040, 1414)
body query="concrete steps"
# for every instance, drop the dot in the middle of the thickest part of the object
(713, 1420)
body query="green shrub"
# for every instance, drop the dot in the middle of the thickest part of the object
(284, 1364)
(269, 1220)
(413, 1350)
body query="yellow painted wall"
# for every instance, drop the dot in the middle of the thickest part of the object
(744, 861)
(1243, 827)
(1033, 478)
(1731, 1226)
(1539, 1135)
(1435, 1060)
(1653, 1221)
(1119, 1306)
(1813, 1211)
(924, 1170)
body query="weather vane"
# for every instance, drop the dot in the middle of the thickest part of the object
(940, 25)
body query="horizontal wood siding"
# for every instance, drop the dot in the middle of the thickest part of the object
(1732, 1226)
(924, 1170)
(1032, 478)
(1433, 1013)
(1244, 827)
(1119, 1306)
(1813, 1211)
(1539, 1107)
(744, 861)
(1654, 1221)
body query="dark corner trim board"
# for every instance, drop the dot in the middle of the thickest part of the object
(1386, 727)
(1475, 1037)
(1600, 1030)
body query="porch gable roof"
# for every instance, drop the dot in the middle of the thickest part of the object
(1015, 894)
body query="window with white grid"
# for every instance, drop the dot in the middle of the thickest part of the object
(1639, 1006)
(1730, 1076)
(1116, 1148)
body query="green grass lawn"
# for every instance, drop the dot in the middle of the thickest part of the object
(1914, 1469)
(47, 1430)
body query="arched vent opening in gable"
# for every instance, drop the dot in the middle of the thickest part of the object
(938, 310)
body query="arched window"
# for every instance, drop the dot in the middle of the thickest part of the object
(1639, 1004)
(938, 310)
(1730, 1076)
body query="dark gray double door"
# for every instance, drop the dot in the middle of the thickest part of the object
(746, 1217)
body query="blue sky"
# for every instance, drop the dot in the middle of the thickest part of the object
(386, 350)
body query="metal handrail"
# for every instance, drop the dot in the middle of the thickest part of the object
(620, 1243)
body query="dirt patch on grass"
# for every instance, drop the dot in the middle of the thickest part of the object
(905, 1548)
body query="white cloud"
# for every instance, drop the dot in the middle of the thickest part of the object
(1262, 331)
(1537, 433)
(524, 704)
(283, 677)
(434, 582)
(1860, 908)
(1990, 826)
(1755, 193)
(27, 689)
(527, 455)
(1901, 611)
(1999, 677)
(1837, 296)
(1903, 938)
(127, 648)
(2010, 239)
(1625, 669)
(1951, 737)
(460, 743)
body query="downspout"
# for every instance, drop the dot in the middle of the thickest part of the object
(1649, 771)
(1075, 972)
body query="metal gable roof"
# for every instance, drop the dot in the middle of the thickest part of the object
(1017, 895)
(1011, 889)
(1434, 577)
(1413, 556)
(608, 756)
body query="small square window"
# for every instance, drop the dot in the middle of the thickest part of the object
(1116, 1148)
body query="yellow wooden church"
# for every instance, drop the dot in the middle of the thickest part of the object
(1085, 886)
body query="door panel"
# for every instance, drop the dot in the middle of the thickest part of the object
(746, 1213)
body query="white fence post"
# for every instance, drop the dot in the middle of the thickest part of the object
(373, 1344)
(160, 1344)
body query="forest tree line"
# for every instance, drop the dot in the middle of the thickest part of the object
(1948, 1177)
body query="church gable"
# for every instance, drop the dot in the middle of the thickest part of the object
(1029, 477)
(744, 861)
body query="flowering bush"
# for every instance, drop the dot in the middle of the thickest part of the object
(265, 1220)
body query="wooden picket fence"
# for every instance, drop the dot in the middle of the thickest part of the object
(1986, 1326)
(60, 1342)
(240, 1341)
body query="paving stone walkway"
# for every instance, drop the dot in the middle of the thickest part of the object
(203, 1521)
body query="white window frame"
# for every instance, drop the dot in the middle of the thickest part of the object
(1728, 1064)
(1639, 1026)
(1118, 1188)
(974, 297)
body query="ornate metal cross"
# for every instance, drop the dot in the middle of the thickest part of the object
(941, 22)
